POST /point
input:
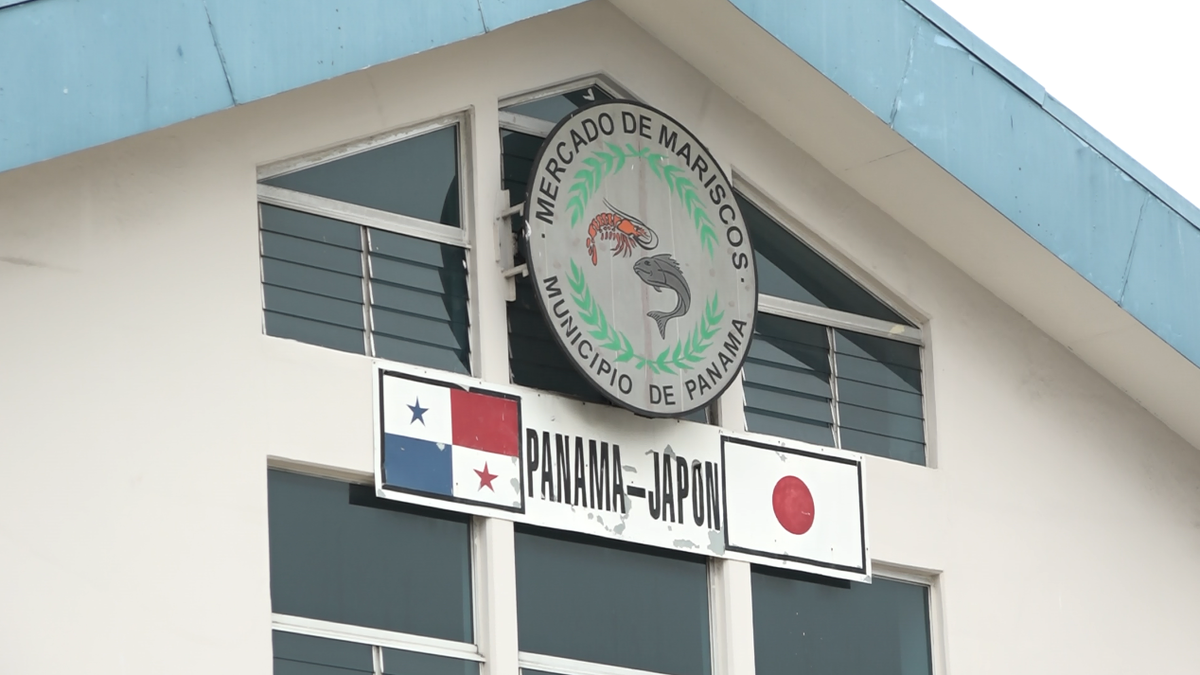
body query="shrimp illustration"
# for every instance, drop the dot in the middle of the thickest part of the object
(622, 229)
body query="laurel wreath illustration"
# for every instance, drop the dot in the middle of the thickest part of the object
(602, 163)
(680, 357)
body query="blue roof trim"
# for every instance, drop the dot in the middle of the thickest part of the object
(81, 73)
(999, 133)
(1035, 91)
(1003, 67)
(78, 74)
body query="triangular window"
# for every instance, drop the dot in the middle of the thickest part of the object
(416, 177)
(830, 364)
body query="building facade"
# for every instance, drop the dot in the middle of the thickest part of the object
(195, 318)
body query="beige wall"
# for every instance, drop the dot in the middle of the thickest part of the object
(139, 400)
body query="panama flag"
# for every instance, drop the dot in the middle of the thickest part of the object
(446, 442)
(793, 504)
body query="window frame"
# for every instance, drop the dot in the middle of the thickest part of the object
(369, 218)
(561, 665)
(932, 582)
(833, 319)
(535, 126)
(379, 639)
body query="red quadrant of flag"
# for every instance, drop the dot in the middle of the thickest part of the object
(483, 422)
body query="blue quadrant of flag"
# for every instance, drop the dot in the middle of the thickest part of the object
(416, 464)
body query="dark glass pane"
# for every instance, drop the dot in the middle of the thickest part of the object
(880, 422)
(305, 655)
(397, 662)
(786, 404)
(403, 273)
(880, 398)
(420, 303)
(788, 268)
(311, 253)
(870, 371)
(340, 554)
(419, 306)
(878, 349)
(419, 264)
(881, 628)
(883, 446)
(423, 251)
(535, 356)
(617, 606)
(440, 358)
(792, 343)
(419, 329)
(312, 280)
(554, 108)
(787, 380)
(517, 152)
(308, 226)
(808, 431)
(314, 332)
(301, 304)
(769, 374)
(415, 177)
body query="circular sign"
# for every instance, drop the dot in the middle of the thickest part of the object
(641, 260)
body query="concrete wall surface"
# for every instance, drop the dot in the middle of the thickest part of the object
(141, 404)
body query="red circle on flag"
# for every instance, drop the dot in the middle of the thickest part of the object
(793, 503)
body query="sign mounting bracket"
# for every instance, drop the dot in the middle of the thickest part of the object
(506, 245)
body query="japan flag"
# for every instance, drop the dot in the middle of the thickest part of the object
(793, 504)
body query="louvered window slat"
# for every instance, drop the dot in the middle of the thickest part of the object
(878, 403)
(790, 427)
(301, 304)
(312, 280)
(868, 388)
(314, 332)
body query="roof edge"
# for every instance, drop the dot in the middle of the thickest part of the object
(1038, 94)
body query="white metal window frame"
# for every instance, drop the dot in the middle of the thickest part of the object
(730, 609)
(375, 638)
(541, 128)
(366, 217)
(833, 319)
(493, 564)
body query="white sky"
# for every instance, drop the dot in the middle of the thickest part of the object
(1130, 69)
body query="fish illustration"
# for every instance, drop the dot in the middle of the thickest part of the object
(659, 271)
(624, 230)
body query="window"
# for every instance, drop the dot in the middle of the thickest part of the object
(826, 628)
(363, 250)
(830, 363)
(361, 584)
(582, 604)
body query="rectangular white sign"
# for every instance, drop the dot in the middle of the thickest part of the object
(457, 443)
